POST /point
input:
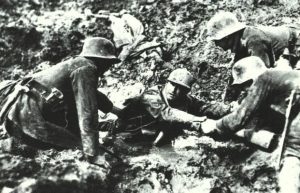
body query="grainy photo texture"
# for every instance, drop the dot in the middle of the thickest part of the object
(158, 96)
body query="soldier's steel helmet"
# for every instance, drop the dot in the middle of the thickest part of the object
(223, 24)
(248, 68)
(182, 77)
(97, 47)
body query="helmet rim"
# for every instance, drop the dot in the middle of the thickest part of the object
(98, 47)
(246, 69)
(182, 77)
(223, 24)
(227, 31)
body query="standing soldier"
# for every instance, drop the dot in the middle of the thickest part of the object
(59, 106)
(270, 89)
(165, 110)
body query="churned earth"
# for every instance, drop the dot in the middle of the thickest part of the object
(189, 164)
(38, 34)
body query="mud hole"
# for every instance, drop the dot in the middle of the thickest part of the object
(34, 37)
(196, 164)
(189, 164)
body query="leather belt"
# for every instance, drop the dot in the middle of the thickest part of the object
(51, 96)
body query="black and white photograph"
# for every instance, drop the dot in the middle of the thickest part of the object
(150, 96)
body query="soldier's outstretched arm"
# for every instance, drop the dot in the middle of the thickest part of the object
(236, 120)
(84, 85)
(154, 104)
(105, 105)
(212, 110)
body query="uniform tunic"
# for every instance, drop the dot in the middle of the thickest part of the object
(152, 112)
(269, 91)
(75, 122)
(268, 43)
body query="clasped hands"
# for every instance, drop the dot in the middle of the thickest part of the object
(205, 125)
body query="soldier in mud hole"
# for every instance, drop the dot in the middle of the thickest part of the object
(268, 43)
(58, 107)
(267, 90)
(163, 111)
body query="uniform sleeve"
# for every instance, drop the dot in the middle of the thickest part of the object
(104, 104)
(84, 84)
(261, 49)
(158, 109)
(213, 110)
(256, 98)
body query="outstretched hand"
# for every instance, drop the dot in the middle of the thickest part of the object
(209, 126)
(201, 119)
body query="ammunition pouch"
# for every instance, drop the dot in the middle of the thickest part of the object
(51, 97)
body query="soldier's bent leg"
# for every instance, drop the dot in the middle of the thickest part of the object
(289, 175)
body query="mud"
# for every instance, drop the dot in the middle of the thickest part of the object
(34, 37)
(198, 164)
(189, 164)
(51, 171)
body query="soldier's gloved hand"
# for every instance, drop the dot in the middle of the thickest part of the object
(209, 127)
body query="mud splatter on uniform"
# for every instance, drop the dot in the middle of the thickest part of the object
(268, 43)
(74, 122)
(152, 112)
(271, 90)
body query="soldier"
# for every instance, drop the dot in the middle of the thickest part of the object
(59, 106)
(165, 110)
(269, 90)
(268, 43)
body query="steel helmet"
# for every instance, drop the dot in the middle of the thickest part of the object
(222, 24)
(247, 68)
(182, 77)
(97, 47)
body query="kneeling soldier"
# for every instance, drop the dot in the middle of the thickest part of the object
(59, 106)
(270, 89)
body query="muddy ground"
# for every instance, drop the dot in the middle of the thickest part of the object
(38, 34)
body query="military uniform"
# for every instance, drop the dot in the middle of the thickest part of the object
(151, 111)
(270, 91)
(70, 123)
(268, 43)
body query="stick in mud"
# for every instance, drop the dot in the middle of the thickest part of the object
(284, 132)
